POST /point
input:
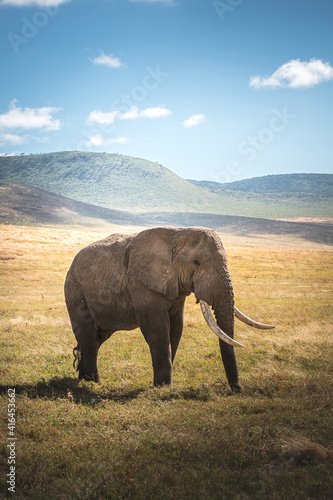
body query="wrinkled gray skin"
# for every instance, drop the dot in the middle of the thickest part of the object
(141, 280)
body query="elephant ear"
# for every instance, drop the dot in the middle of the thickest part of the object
(149, 259)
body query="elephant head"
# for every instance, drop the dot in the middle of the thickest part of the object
(174, 263)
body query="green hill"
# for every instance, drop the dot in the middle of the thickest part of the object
(321, 184)
(279, 196)
(109, 180)
(122, 182)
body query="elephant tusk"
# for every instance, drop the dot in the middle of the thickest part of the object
(207, 314)
(250, 321)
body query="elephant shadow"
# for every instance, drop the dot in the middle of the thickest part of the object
(81, 392)
(72, 389)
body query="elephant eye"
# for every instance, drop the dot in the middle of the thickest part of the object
(196, 262)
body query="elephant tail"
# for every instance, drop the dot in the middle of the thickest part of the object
(77, 357)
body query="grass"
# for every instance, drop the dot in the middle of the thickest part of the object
(125, 439)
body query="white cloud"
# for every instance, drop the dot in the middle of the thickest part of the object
(29, 118)
(102, 118)
(132, 114)
(295, 74)
(194, 120)
(107, 60)
(33, 3)
(99, 141)
(157, 112)
(108, 118)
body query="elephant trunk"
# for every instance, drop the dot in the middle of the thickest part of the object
(223, 307)
(225, 320)
(221, 298)
(218, 293)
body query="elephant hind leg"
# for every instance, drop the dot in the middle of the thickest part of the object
(86, 334)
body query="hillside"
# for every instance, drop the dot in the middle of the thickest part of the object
(136, 185)
(25, 205)
(108, 180)
(321, 184)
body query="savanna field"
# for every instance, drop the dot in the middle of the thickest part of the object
(125, 439)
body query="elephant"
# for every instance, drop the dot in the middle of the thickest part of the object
(141, 280)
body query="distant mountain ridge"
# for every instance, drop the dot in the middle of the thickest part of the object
(280, 183)
(136, 185)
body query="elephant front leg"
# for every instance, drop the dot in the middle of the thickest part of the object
(162, 365)
(155, 326)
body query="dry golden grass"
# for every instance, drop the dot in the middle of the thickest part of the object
(125, 439)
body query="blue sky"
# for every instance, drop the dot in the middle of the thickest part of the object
(213, 89)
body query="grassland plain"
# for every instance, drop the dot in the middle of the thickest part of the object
(125, 439)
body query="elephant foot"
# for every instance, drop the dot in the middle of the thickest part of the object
(236, 388)
(85, 362)
(90, 378)
(162, 380)
(88, 373)
(161, 384)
